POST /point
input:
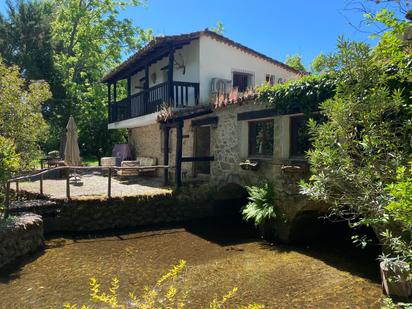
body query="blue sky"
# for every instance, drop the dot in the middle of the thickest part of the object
(276, 28)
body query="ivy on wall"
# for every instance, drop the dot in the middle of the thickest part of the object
(297, 96)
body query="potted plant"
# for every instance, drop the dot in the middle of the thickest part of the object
(252, 165)
(261, 209)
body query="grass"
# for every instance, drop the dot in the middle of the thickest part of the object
(87, 160)
(90, 160)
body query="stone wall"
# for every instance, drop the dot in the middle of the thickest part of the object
(20, 236)
(229, 146)
(147, 141)
(127, 212)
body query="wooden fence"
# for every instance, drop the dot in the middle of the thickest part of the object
(68, 174)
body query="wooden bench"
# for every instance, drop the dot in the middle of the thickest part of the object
(139, 165)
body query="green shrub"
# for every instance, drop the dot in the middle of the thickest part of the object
(9, 163)
(400, 205)
(261, 206)
(398, 213)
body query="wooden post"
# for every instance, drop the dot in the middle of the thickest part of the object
(7, 202)
(179, 138)
(129, 96)
(41, 184)
(115, 111)
(17, 190)
(109, 183)
(109, 101)
(146, 89)
(170, 76)
(68, 183)
(166, 131)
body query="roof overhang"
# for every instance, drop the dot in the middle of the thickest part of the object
(136, 122)
(160, 47)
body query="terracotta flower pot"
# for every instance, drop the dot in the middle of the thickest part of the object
(400, 289)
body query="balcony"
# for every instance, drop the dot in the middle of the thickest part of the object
(151, 100)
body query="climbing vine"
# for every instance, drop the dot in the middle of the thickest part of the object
(297, 96)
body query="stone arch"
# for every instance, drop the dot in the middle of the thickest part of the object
(311, 226)
(230, 198)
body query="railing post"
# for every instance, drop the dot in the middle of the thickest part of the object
(17, 190)
(68, 183)
(170, 76)
(7, 202)
(129, 97)
(109, 184)
(146, 89)
(41, 184)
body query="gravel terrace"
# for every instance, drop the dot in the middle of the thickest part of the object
(96, 185)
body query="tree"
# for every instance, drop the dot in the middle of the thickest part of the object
(295, 61)
(319, 64)
(91, 40)
(358, 151)
(21, 123)
(20, 111)
(25, 38)
(26, 41)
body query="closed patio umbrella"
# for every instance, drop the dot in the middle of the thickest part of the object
(71, 151)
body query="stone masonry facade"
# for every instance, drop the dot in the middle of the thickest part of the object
(229, 146)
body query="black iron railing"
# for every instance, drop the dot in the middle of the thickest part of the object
(150, 100)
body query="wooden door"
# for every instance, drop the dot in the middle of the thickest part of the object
(202, 149)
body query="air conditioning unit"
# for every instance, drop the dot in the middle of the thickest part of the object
(220, 85)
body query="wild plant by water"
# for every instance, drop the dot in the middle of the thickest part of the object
(165, 294)
(261, 206)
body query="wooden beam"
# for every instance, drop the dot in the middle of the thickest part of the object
(109, 100)
(68, 184)
(264, 113)
(205, 121)
(148, 59)
(7, 200)
(179, 144)
(166, 132)
(115, 92)
(146, 88)
(109, 184)
(115, 110)
(198, 159)
(168, 125)
(170, 75)
(129, 96)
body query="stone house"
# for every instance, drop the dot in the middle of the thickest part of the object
(187, 72)
(238, 142)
